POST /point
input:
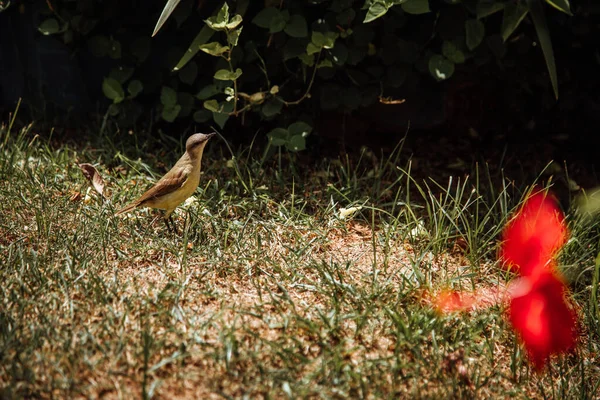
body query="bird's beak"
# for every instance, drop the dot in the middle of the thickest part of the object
(211, 135)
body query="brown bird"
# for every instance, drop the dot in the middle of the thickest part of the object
(178, 184)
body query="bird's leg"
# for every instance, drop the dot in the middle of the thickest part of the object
(170, 224)
(174, 225)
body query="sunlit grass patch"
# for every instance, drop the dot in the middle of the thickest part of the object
(270, 289)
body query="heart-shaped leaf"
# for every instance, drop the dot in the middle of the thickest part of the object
(440, 67)
(296, 26)
(475, 31)
(300, 128)
(168, 96)
(113, 90)
(227, 75)
(214, 48)
(416, 7)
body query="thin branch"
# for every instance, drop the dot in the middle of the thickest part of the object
(312, 80)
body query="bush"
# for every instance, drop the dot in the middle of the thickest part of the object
(283, 62)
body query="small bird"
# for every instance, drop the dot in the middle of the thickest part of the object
(178, 184)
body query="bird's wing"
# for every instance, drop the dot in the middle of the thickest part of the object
(167, 184)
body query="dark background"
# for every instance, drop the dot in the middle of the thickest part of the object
(500, 109)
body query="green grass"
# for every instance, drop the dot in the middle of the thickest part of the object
(267, 292)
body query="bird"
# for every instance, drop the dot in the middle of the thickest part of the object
(176, 185)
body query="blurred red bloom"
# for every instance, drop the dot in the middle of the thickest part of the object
(540, 315)
(539, 310)
(533, 237)
(449, 301)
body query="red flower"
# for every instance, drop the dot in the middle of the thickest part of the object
(538, 310)
(540, 315)
(533, 237)
(450, 301)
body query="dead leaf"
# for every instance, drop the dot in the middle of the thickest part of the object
(389, 100)
(75, 196)
(93, 176)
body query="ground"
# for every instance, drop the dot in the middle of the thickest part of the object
(275, 286)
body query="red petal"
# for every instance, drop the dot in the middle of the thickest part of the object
(542, 318)
(533, 237)
(449, 301)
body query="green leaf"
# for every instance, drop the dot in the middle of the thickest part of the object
(322, 40)
(168, 96)
(271, 107)
(339, 54)
(203, 36)
(330, 38)
(296, 26)
(233, 36)
(164, 15)
(122, 74)
(169, 113)
(440, 67)
(113, 90)
(114, 109)
(234, 22)
(318, 39)
(475, 32)
(325, 63)
(222, 117)
(277, 23)
(376, 9)
(114, 49)
(207, 92)
(189, 73)
(416, 7)
(296, 143)
(453, 53)
(293, 48)
(265, 16)
(135, 87)
(212, 105)
(278, 137)
(300, 128)
(514, 13)
(312, 49)
(308, 59)
(214, 48)
(496, 45)
(226, 75)
(202, 116)
(140, 48)
(543, 33)
(49, 26)
(219, 22)
(488, 7)
(561, 5)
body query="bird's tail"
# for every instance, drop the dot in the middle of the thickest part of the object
(127, 208)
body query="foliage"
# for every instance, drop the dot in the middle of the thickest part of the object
(253, 61)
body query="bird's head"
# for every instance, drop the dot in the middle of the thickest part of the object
(195, 143)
